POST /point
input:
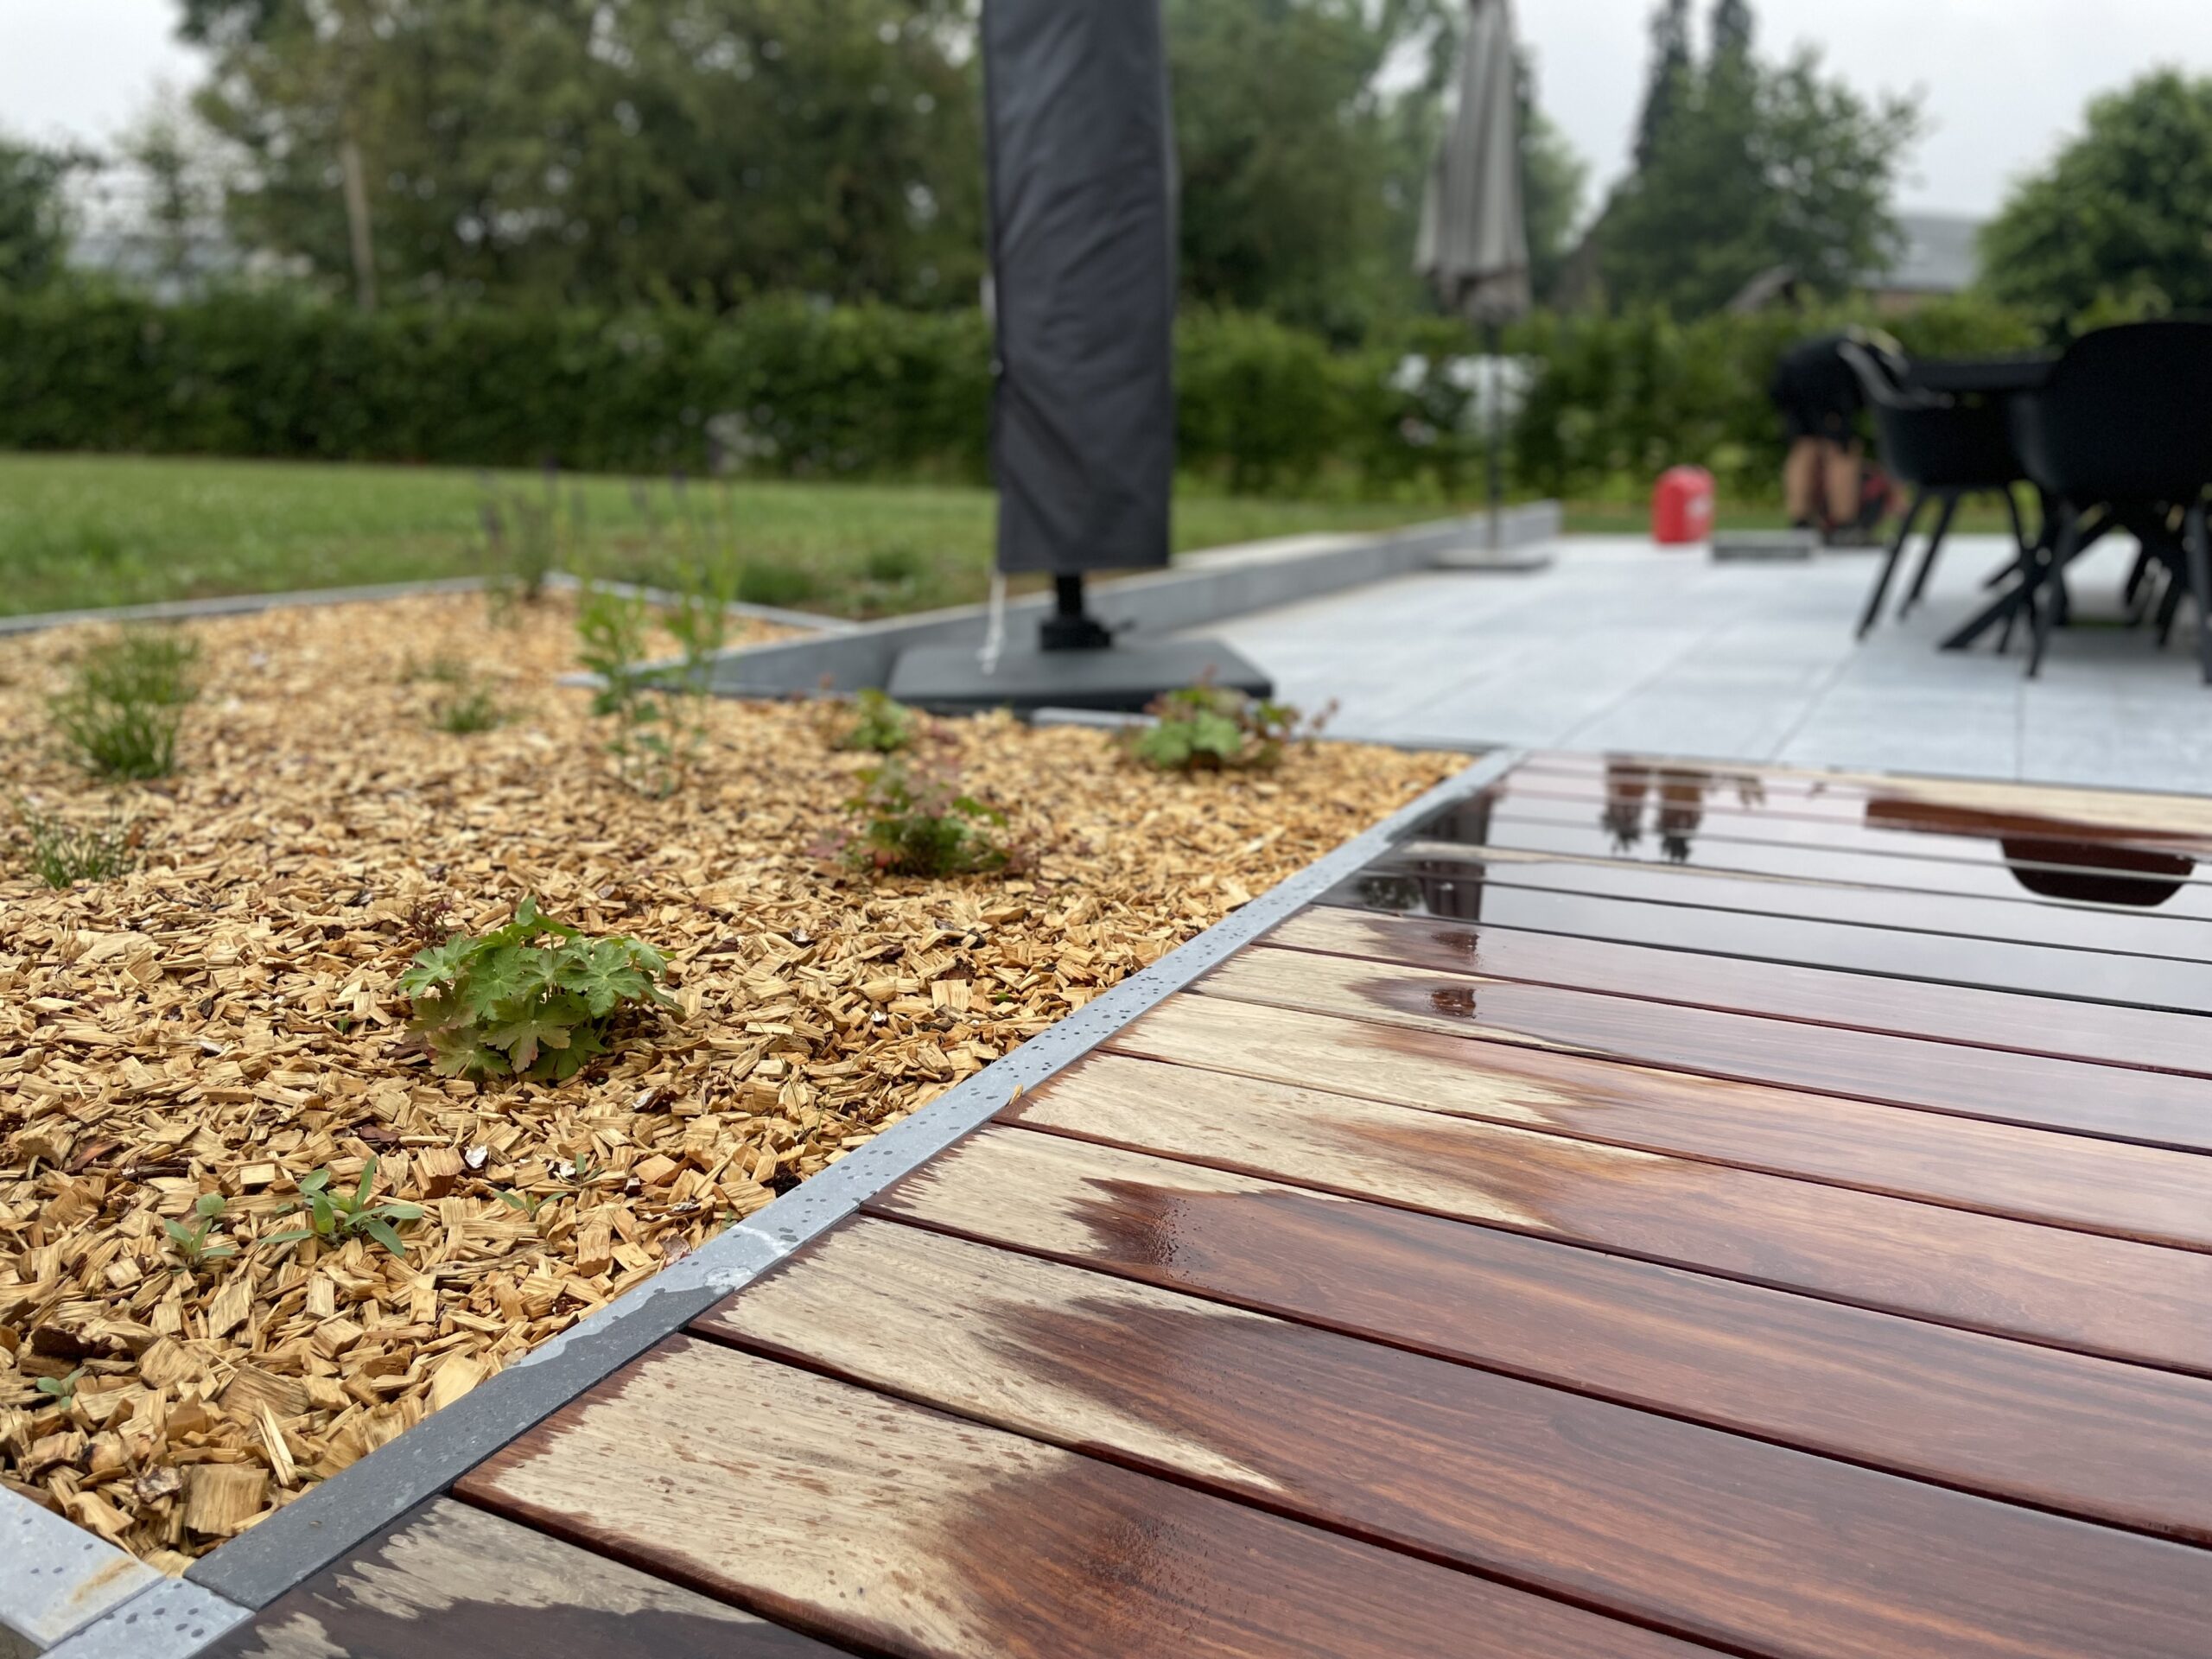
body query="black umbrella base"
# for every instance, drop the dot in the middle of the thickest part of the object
(1121, 679)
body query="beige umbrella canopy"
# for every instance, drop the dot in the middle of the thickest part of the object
(1474, 236)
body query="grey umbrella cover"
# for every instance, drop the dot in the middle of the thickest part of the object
(1083, 263)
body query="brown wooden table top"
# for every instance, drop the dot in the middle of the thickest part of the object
(1806, 1252)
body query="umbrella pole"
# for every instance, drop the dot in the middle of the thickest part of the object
(1496, 456)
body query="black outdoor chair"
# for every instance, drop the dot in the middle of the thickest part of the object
(1946, 448)
(2121, 437)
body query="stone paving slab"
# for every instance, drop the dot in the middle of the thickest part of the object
(1623, 644)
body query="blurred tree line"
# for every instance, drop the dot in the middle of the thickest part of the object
(708, 153)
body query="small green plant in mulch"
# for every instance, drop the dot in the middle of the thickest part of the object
(880, 726)
(337, 1216)
(659, 726)
(199, 1245)
(125, 702)
(463, 703)
(1213, 728)
(62, 853)
(465, 710)
(915, 821)
(534, 999)
(527, 538)
(59, 1390)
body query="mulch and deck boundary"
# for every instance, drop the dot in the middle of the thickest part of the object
(175, 1617)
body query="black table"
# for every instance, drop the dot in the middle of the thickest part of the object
(1981, 376)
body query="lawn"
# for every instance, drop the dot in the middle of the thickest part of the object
(83, 530)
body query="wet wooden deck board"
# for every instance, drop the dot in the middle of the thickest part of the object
(1885, 911)
(1669, 1261)
(818, 1502)
(2056, 1028)
(2042, 1284)
(2032, 1091)
(2098, 1185)
(1966, 866)
(2089, 1437)
(451, 1580)
(1680, 923)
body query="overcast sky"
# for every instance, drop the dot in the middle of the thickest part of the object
(2004, 79)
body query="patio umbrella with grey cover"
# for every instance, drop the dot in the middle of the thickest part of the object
(1474, 237)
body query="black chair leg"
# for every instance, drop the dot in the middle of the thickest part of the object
(2196, 542)
(2135, 574)
(2169, 605)
(1889, 564)
(1927, 559)
(2068, 542)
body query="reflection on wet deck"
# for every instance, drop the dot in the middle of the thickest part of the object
(1654, 1209)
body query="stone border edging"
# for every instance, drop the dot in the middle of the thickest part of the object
(1199, 591)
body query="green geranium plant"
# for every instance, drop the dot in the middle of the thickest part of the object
(534, 999)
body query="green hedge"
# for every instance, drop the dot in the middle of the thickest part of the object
(793, 389)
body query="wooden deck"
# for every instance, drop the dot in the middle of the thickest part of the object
(1681, 1212)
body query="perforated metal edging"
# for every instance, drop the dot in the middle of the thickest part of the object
(310, 1533)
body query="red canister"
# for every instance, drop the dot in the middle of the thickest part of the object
(1681, 506)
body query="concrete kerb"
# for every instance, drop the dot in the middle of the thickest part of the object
(1204, 589)
(318, 1528)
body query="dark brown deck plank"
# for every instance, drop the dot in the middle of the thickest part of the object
(1757, 1546)
(2105, 1187)
(1477, 872)
(2099, 1296)
(910, 1533)
(1923, 957)
(2153, 1108)
(2051, 1026)
(2089, 1437)
(450, 1579)
(1883, 857)
(2093, 819)
(2065, 806)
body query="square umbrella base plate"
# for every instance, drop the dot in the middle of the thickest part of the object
(947, 679)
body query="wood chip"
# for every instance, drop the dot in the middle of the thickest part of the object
(221, 1499)
(224, 1019)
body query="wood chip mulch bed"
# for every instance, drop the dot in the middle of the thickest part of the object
(223, 1019)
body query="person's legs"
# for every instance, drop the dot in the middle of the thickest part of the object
(1840, 469)
(1801, 481)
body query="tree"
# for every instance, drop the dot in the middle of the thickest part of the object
(34, 220)
(1554, 178)
(1301, 176)
(568, 151)
(1733, 27)
(1672, 67)
(1758, 167)
(2124, 211)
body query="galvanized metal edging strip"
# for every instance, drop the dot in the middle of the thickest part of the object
(56, 1576)
(323, 1525)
